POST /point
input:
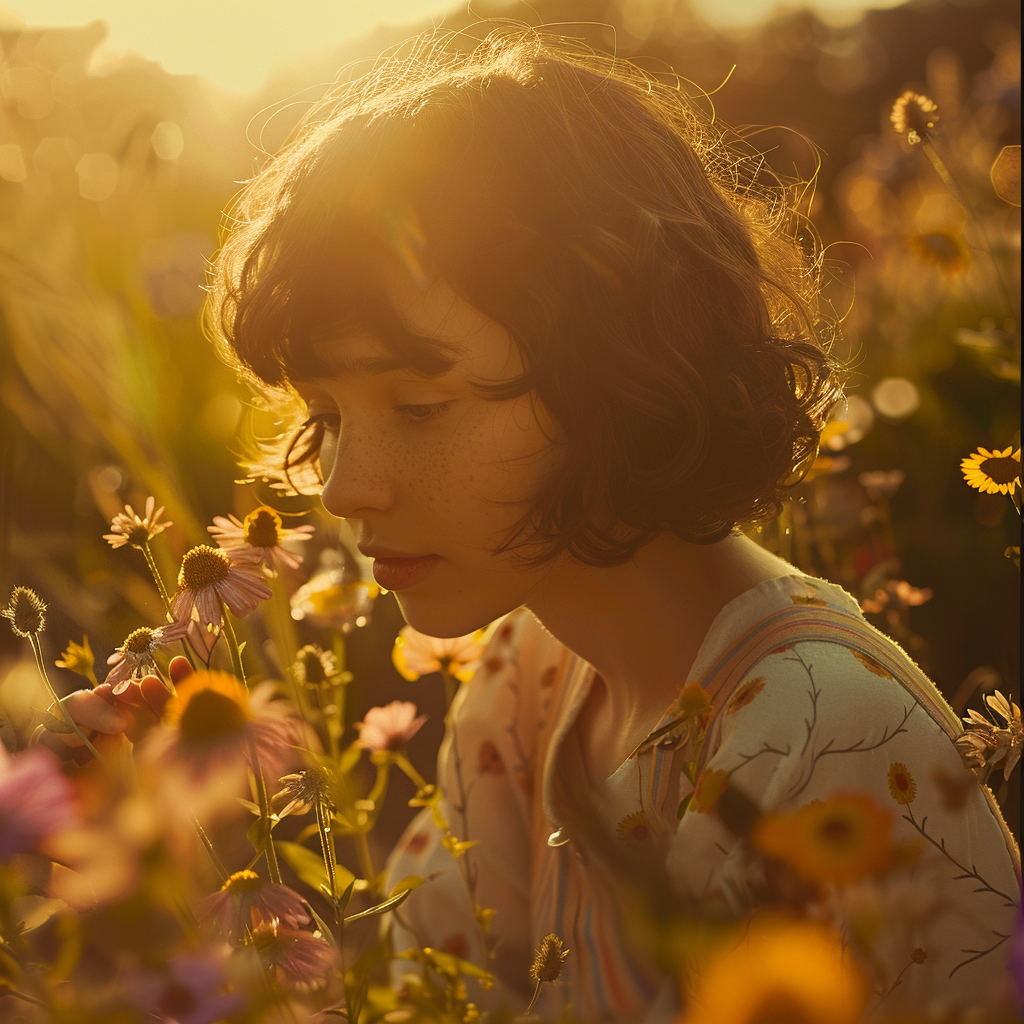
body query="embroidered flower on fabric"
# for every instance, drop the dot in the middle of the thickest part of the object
(871, 665)
(634, 826)
(745, 694)
(489, 759)
(417, 843)
(901, 783)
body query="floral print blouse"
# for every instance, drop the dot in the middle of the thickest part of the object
(811, 730)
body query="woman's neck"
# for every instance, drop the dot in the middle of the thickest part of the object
(641, 624)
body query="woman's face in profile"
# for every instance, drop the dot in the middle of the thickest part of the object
(434, 474)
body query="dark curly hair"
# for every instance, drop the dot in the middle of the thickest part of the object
(664, 300)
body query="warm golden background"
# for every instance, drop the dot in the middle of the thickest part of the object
(114, 170)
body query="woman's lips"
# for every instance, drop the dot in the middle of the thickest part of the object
(402, 573)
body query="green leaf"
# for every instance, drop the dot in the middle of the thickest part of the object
(53, 723)
(310, 867)
(683, 804)
(350, 757)
(248, 805)
(258, 833)
(407, 884)
(381, 908)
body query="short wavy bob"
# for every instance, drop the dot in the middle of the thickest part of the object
(663, 299)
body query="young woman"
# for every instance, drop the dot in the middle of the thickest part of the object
(555, 346)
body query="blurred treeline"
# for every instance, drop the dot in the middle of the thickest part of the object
(112, 183)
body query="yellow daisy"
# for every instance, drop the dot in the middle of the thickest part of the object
(745, 694)
(944, 250)
(993, 472)
(870, 664)
(901, 783)
(634, 826)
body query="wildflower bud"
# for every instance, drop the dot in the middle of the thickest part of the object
(547, 963)
(26, 612)
(914, 115)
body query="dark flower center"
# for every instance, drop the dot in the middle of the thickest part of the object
(140, 641)
(262, 528)
(780, 1008)
(210, 716)
(203, 567)
(836, 831)
(312, 665)
(1001, 471)
(242, 881)
(138, 534)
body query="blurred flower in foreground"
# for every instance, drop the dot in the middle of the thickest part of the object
(78, 658)
(293, 956)
(779, 972)
(897, 596)
(245, 900)
(209, 727)
(314, 666)
(881, 483)
(128, 527)
(913, 116)
(416, 654)
(193, 991)
(35, 800)
(135, 655)
(262, 532)
(943, 250)
(986, 746)
(209, 576)
(993, 472)
(389, 727)
(334, 598)
(838, 840)
(26, 612)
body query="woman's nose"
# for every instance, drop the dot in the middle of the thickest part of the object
(358, 480)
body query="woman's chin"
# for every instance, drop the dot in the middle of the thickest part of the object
(444, 619)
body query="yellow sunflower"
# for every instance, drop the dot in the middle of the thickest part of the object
(790, 971)
(839, 840)
(901, 783)
(993, 472)
(634, 826)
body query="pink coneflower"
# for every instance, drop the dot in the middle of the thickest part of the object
(295, 957)
(35, 800)
(389, 727)
(260, 532)
(130, 528)
(209, 576)
(415, 654)
(245, 901)
(210, 728)
(135, 655)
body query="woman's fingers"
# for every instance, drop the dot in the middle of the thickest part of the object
(178, 669)
(155, 693)
(92, 710)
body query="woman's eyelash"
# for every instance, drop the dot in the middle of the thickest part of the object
(423, 413)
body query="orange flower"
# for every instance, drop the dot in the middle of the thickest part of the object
(838, 840)
(416, 654)
(781, 971)
(745, 694)
(634, 826)
(901, 783)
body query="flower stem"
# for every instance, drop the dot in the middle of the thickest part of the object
(533, 1001)
(365, 858)
(323, 822)
(406, 766)
(229, 633)
(164, 596)
(261, 794)
(41, 665)
(217, 863)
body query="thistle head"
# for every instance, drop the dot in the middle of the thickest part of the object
(26, 611)
(548, 960)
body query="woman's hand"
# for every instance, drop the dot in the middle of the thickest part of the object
(108, 720)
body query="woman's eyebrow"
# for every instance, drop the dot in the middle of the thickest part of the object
(369, 366)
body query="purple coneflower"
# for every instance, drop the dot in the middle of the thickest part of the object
(389, 727)
(209, 576)
(211, 726)
(193, 991)
(245, 901)
(297, 958)
(35, 800)
(260, 532)
(130, 528)
(135, 655)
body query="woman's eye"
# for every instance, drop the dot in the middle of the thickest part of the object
(423, 413)
(330, 421)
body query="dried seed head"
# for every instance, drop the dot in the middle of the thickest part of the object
(26, 612)
(203, 567)
(308, 788)
(547, 963)
(914, 115)
(262, 528)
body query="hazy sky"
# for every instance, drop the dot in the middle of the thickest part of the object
(236, 43)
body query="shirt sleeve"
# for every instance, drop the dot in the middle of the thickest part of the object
(486, 772)
(928, 891)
